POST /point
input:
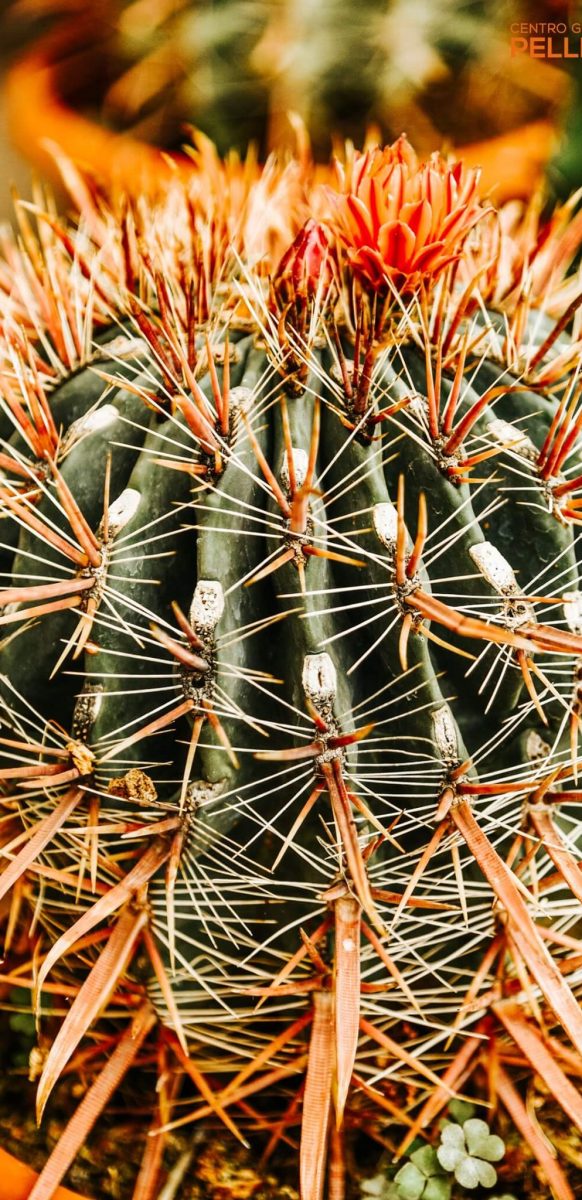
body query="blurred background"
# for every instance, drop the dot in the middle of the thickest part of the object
(113, 81)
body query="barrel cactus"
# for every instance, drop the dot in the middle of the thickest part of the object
(292, 646)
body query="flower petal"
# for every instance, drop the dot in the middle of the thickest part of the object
(418, 217)
(396, 243)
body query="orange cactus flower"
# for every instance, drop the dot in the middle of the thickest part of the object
(401, 222)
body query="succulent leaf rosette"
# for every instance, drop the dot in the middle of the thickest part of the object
(291, 650)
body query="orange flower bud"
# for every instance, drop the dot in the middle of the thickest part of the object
(300, 270)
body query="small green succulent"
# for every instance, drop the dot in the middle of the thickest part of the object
(468, 1151)
(465, 1154)
(422, 1178)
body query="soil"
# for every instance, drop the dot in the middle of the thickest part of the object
(202, 1163)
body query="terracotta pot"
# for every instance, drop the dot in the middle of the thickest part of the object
(38, 116)
(17, 1181)
(40, 121)
(513, 164)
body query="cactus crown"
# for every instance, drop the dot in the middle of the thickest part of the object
(292, 638)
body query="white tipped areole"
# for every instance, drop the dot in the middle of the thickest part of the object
(92, 422)
(509, 435)
(121, 511)
(536, 749)
(319, 677)
(240, 397)
(494, 568)
(87, 707)
(99, 418)
(207, 604)
(445, 734)
(199, 792)
(573, 611)
(386, 524)
(300, 464)
(416, 405)
(122, 347)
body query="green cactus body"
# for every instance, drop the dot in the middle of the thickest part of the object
(282, 638)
